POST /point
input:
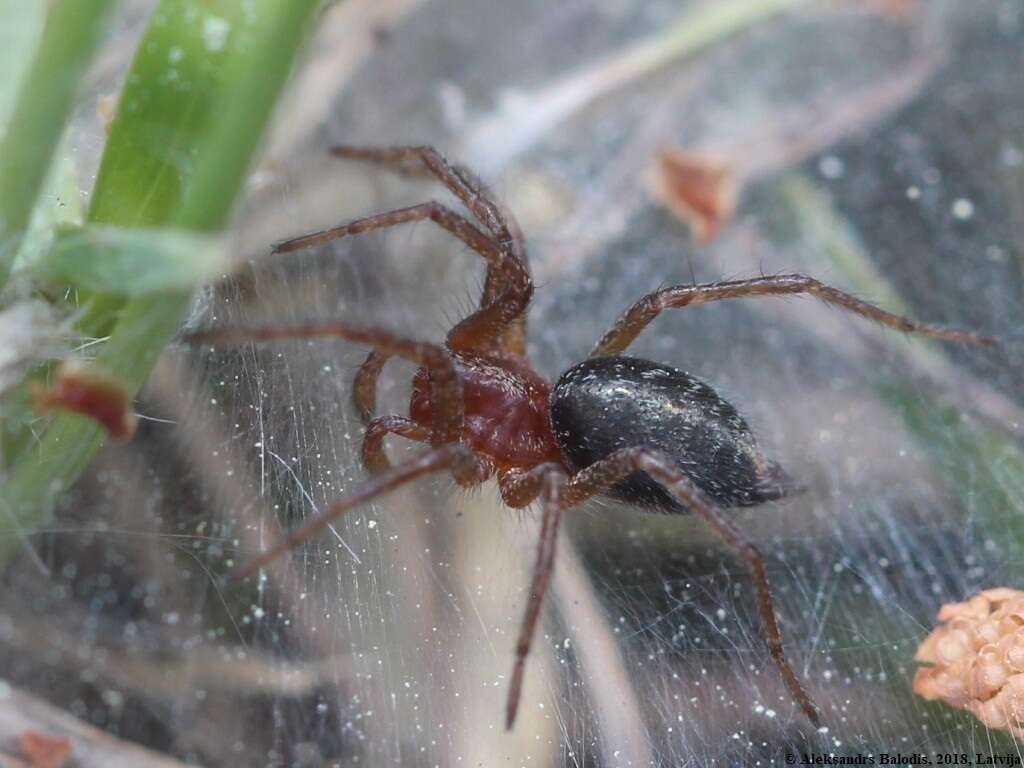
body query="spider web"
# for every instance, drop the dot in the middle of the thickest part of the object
(881, 154)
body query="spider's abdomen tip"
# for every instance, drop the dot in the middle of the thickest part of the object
(605, 404)
(775, 483)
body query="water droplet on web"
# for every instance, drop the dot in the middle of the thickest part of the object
(963, 209)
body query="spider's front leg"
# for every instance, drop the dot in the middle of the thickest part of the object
(445, 383)
(417, 160)
(608, 471)
(508, 286)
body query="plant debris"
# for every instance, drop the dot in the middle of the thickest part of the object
(82, 389)
(976, 659)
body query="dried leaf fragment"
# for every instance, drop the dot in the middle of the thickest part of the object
(42, 751)
(699, 190)
(82, 389)
(976, 658)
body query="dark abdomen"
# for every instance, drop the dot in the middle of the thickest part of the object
(607, 403)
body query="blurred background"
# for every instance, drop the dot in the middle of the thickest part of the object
(877, 146)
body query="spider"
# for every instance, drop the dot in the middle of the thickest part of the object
(639, 431)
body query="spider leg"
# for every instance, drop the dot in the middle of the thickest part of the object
(364, 386)
(499, 309)
(376, 461)
(603, 473)
(446, 385)
(637, 317)
(374, 458)
(461, 183)
(513, 338)
(547, 481)
(457, 458)
(520, 489)
(440, 214)
(507, 286)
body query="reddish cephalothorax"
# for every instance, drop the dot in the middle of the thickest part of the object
(506, 416)
(643, 432)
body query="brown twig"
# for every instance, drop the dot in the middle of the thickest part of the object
(90, 747)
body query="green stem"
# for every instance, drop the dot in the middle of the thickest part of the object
(73, 30)
(196, 101)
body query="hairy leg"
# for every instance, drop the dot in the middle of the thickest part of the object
(458, 181)
(547, 481)
(513, 338)
(457, 458)
(520, 489)
(364, 386)
(600, 475)
(441, 215)
(641, 314)
(374, 458)
(508, 287)
(447, 387)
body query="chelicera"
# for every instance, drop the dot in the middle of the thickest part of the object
(640, 431)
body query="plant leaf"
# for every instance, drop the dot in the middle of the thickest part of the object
(196, 101)
(108, 259)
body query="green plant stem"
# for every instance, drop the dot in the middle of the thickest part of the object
(45, 99)
(197, 98)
